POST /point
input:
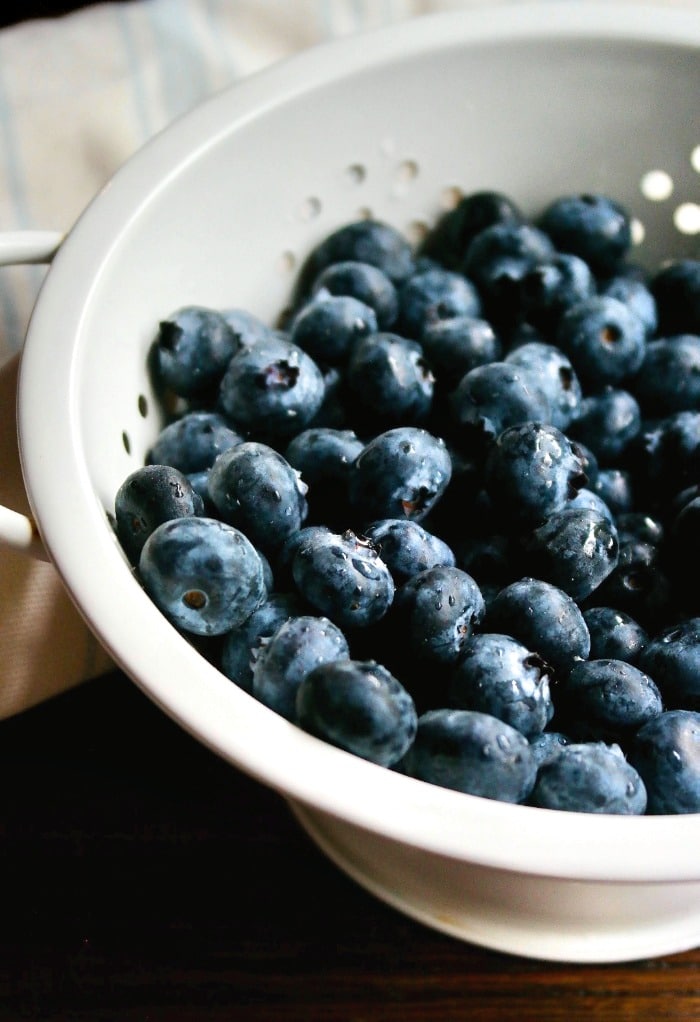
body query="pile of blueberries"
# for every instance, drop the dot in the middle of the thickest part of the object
(445, 514)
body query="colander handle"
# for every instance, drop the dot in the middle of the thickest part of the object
(17, 530)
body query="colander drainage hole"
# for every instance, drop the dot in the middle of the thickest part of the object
(126, 441)
(356, 173)
(310, 208)
(142, 405)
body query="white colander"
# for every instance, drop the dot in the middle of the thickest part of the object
(220, 210)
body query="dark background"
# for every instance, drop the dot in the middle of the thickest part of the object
(144, 879)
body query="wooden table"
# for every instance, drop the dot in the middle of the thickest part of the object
(144, 879)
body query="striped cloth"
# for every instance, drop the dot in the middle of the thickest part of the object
(78, 95)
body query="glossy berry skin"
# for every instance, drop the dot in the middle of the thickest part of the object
(637, 296)
(241, 646)
(407, 548)
(490, 398)
(472, 752)
(614, 486)
(614, 635)
(323, 456)
(589, 777)
(531, 471)
(551, 287)
(328, 327)
(607, 423)
(545, 746)
(204, 575)
(191, 351)
(605, 341)
(543, 618)
(255, 489)
(342, 577)
(587, 498)
(672, 658)
(666, 753)
(272, 387)
(295, 648)
(368, 241)
(193, 441)
(247, 327)
(358, 706)
(364, 282)
(665, 457)
(676, 290)
(435, 612)
(401, 473)
(669, 378)
(496, 674)
(591, 226)
(450, 237)
(556, 377)
(433, 295)
(149, 496)
(639, 584)
(389, 380)
(512, 248)
(454, 346)
(574, 550)
(608, 699)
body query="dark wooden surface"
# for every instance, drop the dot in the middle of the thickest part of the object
(144, 879)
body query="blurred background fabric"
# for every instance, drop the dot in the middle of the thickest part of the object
(80, 92)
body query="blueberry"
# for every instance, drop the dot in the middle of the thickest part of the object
(614, 634)
(204, 575)
(608, 699)
(497, 259)
(401, 473)
(556, 376)
(638, 584)
(454, 346)
(434, 295)
(639, 527)
(296, 647)
(343, 577)
(546, 746)
(543, 618)
(672, 658)
(327, 327)
(449, 238)
(604, 339)
(575, 549)
(240, 646)
(246, 327)
(551, 287)
(389, 380)
(324, 456)
(666, 753)
(272, 386)
(615, 486)
(637, 296)
(587, 498)
(665, 457)
(192, 442)
(368, 241)
(149, 496)
(191, 351)
(471, 752)
(607, 423)
(358, 706)
(668, 380)
(490, 398)
(255, 489)
(592, 226)
(435, 612)
(532, 470)
(498, 675)
(364, 282)
(676, 290)
(589, 777)
(407, 548)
